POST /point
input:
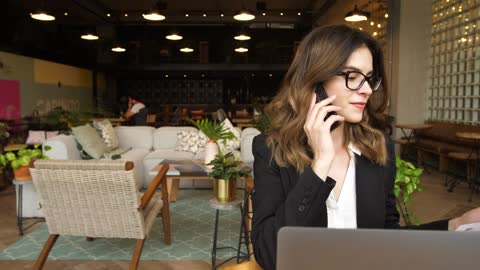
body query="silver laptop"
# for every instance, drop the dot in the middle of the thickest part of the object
(339, 249)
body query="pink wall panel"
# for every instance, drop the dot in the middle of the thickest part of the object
(10, 99)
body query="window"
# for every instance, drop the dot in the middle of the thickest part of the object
(454, 75)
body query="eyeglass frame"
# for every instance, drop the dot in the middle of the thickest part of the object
(365, 79)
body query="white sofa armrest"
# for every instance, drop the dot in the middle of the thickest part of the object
(246, 153)
(62, 147)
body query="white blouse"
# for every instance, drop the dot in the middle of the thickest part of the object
(343, 213)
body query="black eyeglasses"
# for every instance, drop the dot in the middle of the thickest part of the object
(354, 80)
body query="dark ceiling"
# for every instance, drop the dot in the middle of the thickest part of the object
(273, 34)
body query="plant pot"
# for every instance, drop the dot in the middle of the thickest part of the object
(211, 150)
(23, 172)
(225, 190)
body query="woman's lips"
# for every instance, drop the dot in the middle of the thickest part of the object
(359, 105)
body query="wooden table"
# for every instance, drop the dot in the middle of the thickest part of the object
(181, 169)
(410, 138)
(474, 155)
(243, 122)
(115, 121)
(14, 147)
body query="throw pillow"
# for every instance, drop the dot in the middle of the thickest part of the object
(51, 134)
(190, 141)
(90, 141)
(116, 153)
(230, 145)
(35, 137)
(107, 132)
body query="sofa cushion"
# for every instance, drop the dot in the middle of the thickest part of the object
(135, 137)
(90, 141)
(137, 156)
(105, 129)
(166, 137)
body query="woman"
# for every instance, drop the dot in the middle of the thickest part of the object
(307, 174)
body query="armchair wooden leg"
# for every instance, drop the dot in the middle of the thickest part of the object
(45, 251)
(166, 225)
(136, 254)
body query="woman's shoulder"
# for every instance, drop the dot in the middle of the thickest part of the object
(260, 146)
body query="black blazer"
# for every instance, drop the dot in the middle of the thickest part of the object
(285, 198)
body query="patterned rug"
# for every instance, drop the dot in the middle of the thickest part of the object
(192, 222)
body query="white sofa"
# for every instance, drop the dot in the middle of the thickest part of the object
(148, 146)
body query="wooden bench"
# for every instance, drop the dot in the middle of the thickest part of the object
(440, 140)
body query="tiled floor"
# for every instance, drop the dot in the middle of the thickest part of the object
(434, 203)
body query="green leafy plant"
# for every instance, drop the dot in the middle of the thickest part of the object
(407, 181)
(4, 134)
(213, 130)
(228, 167)
(22, 157)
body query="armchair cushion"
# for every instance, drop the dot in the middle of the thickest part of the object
(35, 137)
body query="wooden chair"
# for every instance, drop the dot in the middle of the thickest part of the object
(98, 198)
(252, 263)
(151, 119)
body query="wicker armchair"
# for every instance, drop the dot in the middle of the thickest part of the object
(95, 198)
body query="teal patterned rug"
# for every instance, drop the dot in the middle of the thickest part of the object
(192, 223)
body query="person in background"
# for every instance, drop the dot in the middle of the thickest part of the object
(326, 161)
(136, 112)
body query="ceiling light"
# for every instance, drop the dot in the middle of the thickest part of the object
(372, 23)
(89, 36)
(186, 14)
(386, 15)
(166, 75)
(126, 15)
(281, 13)
(108, 15)
(186, 50)
(356, 15)
(264, 13)
(242, 37)
(204, 15)
(66, 13)
(221, 15)
(184, 75)
(174, 36)
(42, 16)
(153, 16)
(118, 49)
(241, 49)
(244, 15)
(299, 13)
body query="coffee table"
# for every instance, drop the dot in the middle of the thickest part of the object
(181, 169)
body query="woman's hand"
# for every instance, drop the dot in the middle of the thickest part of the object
(318, 134)
(472, 216)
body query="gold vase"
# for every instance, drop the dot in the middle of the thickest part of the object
(225, 190)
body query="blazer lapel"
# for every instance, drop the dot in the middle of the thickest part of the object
(370, 194)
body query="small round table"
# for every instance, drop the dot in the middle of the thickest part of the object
(218, 206)
(19, 184)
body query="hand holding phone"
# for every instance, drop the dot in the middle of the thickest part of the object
(321, 95)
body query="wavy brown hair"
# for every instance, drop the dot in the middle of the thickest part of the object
(320, 56)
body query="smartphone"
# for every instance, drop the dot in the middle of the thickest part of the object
(321, 95)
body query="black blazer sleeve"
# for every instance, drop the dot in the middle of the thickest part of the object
(281, 199)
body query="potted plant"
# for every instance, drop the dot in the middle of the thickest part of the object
(227, 170)
(22, 161)
(214, 131)
(407, 181)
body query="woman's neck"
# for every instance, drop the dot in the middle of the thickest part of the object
(338, 138)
